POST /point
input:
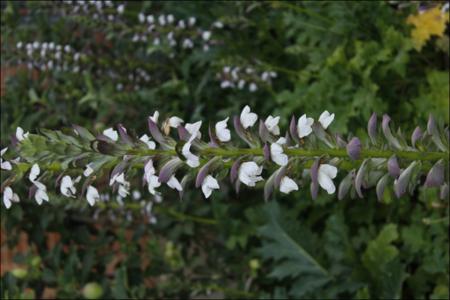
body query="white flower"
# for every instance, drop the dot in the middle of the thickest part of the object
(192, 160)
(150, 19)
(192, 21)
(88, 171)
(249, 173)
(155, 116)
(206, 35)
(120, 9)
(277, 154)
(173, 183)
(325, 176)
(40, 196)
(253, 87)
(194, 129)
(20, 134)
(146, 139)
(222, 132)
(248, 119)
(4, 165)
(281, 141)
(325, 119)
(241, 84)
(304, 126)
(209, 184)
(67, 187)
(272, 124)
(124, 190)
(288, 185)
(175, 122)
(162, 20)
(34, 173)
(92, 195)
(9, 196)
(150, 177)
(141, 18)
(111, 133)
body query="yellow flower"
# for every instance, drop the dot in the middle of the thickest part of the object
(429, 23)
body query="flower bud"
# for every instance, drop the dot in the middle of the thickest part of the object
(315, 178)
(266, 152)
(393, 167)
(19, 273)
(444, 192)
(372, 128)
(293, 129)
(387, 132)
(345, 185)
(381, 185)
(401, 184)
(354, 148)
(435, 176)
(416, 135)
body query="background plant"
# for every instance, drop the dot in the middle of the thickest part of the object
(351, 59)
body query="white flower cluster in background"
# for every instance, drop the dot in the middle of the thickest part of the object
(244, 78)
(48, 56)
(97, 9)
(167, 29)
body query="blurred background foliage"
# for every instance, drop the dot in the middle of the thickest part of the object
(351, 58)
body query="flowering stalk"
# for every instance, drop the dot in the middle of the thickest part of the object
(307, 154)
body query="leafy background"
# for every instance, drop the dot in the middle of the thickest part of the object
(347, 57)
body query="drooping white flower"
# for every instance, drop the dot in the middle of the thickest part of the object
(34, 173)
(150, 19)
(194, 129)
(288, 185)
(209, 184)
(21, 134)
(277, 154)
(192, 160)
(9, 196)
(146, 139)
(304, 126)
(162, 20)
(249, 173)
(88, 170)
(325, 119)
(192, 21)
(325, 175)
(67, 187)
(272, 124)
(92, 195)
(141, 18)
(252, 87)
(124, 190)
(40, 196)
(155, 116)
(173, 183)
(111, 133)
(4, 165)
(248, 119)
(170, 19)
(174, 122)
(222, 132)
(120, 9)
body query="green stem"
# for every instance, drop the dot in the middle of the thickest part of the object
(340, 153)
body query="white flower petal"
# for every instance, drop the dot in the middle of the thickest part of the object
(92, 195)
(272, 124)
(222, 132)
(288, 185)
(192, 160)
(153, 183)
(67, 187)
(304, 126)
(3, 151)
(325, 175)
(40, 196)
(5, 165)
(194, 130)
(277, 154)
(249, 173)
(88, 170)
(155, 116)
(20, 134)
(146, 139)
(281, 141)
(174, 122)
(34, 173)
(209, 184)
(325, 119)
(7, 197)
(173, 183)
(111, 133)
(247, 118)
(124, 190)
